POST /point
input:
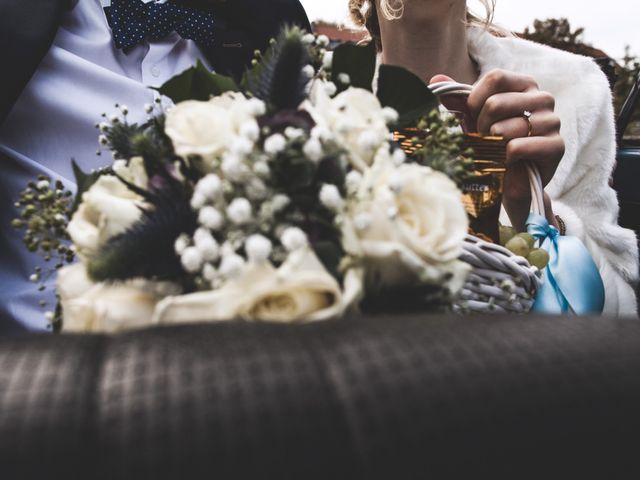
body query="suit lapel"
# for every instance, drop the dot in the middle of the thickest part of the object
(27, 29)
(246, 26)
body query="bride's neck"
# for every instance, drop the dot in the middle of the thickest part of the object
(428, 47)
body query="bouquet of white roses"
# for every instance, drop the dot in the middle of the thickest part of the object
(281, 197)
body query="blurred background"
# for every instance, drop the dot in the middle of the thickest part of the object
(609, 25)
(606, 30)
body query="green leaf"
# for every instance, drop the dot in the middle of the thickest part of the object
(330, 254)
(146, 248)
(405, 92)
(293, 173)
(359, 62)
(197, 83)
(84, 182)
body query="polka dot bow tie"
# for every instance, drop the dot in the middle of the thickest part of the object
(133, 21)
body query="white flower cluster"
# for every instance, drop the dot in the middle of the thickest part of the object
(397, 222)
(405, 222)
(354, 119)
(235, 204)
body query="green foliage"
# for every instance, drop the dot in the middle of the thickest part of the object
(278, 79)
(359, 62)
(45, 209)
(84, 181)
(147, 141)
(120, 137)
(301, 179)
(406, 93)
(556, 32)
(442, 147)
(197, 83)
(330, 254)
(44, 214)
(146, 250)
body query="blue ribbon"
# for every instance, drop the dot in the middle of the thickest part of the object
(572, 282)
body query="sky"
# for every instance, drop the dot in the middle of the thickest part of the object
(609, 25)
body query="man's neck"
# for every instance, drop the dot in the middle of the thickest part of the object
(428, 47)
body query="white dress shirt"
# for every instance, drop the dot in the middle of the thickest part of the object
(82, 76)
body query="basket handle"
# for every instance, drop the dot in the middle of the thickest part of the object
(535, 180)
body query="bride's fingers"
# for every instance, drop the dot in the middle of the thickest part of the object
(545, 152)
(454, 103)
(498, 81)
(440, 78)
(543, 123)
(512, 104)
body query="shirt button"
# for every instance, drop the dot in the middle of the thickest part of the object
(155, 71)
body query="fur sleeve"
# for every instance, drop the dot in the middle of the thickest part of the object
(580, 189)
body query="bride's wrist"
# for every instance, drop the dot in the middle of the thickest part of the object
(518, 209)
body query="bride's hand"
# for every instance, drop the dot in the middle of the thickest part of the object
(498, 102)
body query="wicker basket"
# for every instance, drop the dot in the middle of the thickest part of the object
(499, 281)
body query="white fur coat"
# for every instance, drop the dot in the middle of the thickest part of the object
(580, 189)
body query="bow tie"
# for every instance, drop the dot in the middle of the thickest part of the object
(133, 21)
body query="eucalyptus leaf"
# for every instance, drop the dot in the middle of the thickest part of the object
(197, 83)
(357, 61)
(406, 93)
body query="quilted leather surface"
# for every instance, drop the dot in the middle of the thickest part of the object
(379, 397)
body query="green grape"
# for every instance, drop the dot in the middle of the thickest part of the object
(539, 258)
(506, 234)
(531, 241)
(518, 246)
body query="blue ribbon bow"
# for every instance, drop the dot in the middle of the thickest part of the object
(572, 282)
(133, 21)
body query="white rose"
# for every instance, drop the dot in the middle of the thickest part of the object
(356, 119)
(107, 308)
(133, 172)
(209, 128)
(199, 128)
(415, 226)
(108, 209)
(242, 112)
(301, 290)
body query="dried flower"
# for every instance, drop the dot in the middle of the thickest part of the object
(191, 260)
(211, 218)
(330, 197)
(275, 144)
(293, 239)
(239, 211)
(258, 248)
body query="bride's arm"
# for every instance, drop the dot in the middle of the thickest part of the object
(581, 192)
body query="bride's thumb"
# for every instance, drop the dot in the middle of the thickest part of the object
(456, 104)
(440, 78)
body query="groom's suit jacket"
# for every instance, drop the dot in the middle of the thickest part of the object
(28, 27)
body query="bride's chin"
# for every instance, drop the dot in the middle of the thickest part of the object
(418, 11)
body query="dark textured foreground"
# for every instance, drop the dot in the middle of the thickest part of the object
(384, 397)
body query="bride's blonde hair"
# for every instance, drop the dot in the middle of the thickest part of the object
(364, 13)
